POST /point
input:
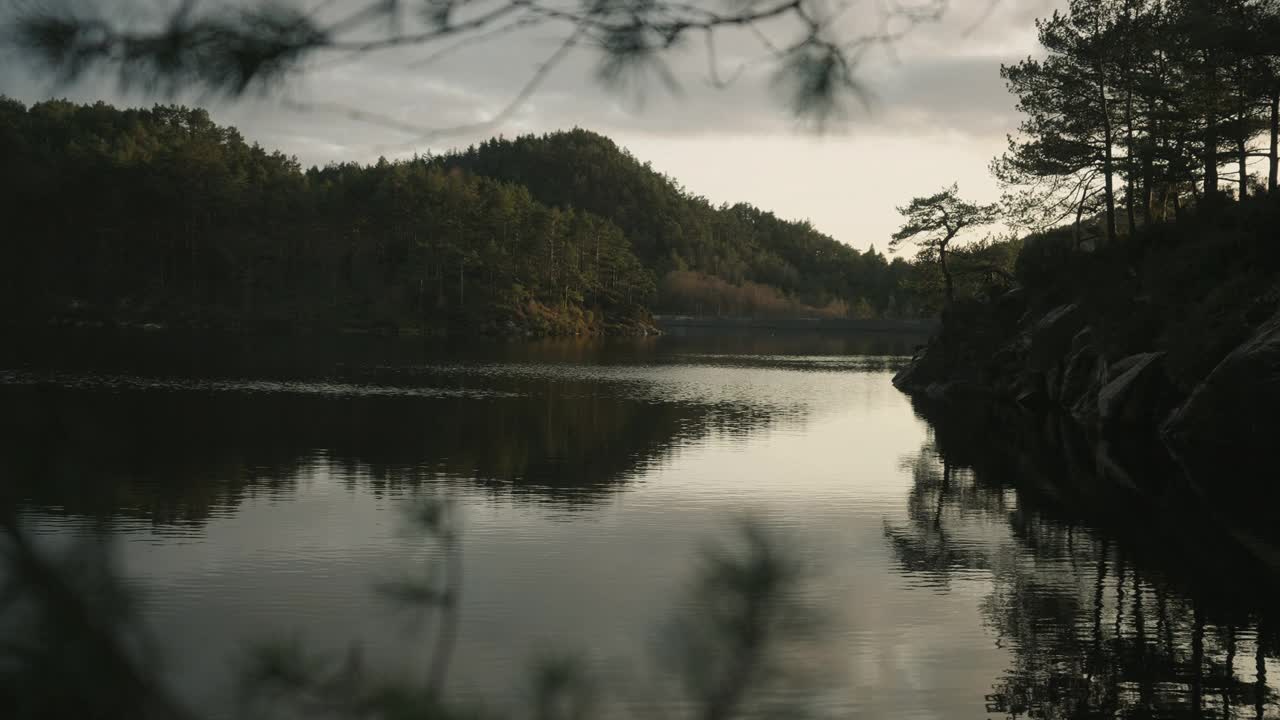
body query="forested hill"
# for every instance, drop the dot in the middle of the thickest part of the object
(160, 215)
(142, 216)
(703, 254)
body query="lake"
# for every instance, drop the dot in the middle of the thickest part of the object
(256, 489)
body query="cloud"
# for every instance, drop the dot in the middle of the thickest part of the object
(936, 109)
(942, 77)
(964, 95)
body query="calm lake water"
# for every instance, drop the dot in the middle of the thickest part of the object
(256, 489)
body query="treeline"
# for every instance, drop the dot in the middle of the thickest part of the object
(1142, 108)
(684, 291)
(160, 215)
(673, 230)
(163, 216)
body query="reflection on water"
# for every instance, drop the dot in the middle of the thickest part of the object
(254, 489)
(1112, 605)
(172, 449)
(186, 454)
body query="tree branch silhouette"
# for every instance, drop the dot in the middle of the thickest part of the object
(235, 51)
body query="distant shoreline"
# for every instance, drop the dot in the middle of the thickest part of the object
(667, 323)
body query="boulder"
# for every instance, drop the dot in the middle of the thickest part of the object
(1009, 308)
(1122, 366)
(1053, 383)
(1232, 416)
(964, 394)
(1081, 383)
(1083, 340)
(1049, 339)
(1004, 369)
(956, 354)
(1137, 394)
(1028, 390)
(928, 366)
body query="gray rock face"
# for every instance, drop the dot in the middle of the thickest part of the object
(927, 367)
(1232, 415)
(955, 356)
(1123, 365)
(1050, 338)
(1136, 392)
(1082, 379)
(1225, 435)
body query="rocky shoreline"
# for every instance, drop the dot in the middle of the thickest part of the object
(1049, 362)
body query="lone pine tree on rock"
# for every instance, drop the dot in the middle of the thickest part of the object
(934, 222)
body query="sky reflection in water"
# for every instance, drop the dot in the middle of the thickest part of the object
(955, 580)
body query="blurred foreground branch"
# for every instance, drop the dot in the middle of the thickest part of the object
(70, 641)
(73, 646)
(234, 49)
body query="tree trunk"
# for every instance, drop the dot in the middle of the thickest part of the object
(1275, 140)
(1209, 149)
(1147, 172)
(1075, 233)
(1108, 172)
(1146, 686)
(1260, 686)
(1242, 153)
(1130, 170)
(1230, 667)
(1197, 662)
(946, 273)
(1099, 589)
(1153, 131)
(1242, 134)
(942, 493)
(1211, 157)
(1108, 168)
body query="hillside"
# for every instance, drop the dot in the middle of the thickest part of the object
(163, 216)
(699, 252)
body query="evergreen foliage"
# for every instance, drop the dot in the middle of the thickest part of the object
(163, 216)
(673, 230)
(178, 220)
(1138, 106)
(934, 222)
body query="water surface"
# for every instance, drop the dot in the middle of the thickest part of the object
(255, 489)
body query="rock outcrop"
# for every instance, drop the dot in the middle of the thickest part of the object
(1231, 422)
(1137, 394)
(1052, 362)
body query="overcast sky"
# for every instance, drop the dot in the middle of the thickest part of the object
(936, 112)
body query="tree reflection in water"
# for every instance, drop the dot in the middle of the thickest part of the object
(183, 455)
(171, 432)
(1114, 599)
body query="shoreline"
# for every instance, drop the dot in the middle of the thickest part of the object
(924, 327)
